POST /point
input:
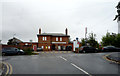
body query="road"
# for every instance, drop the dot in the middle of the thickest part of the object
(62, 63)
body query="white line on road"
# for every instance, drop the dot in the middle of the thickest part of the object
(63, 58)
(81, 69)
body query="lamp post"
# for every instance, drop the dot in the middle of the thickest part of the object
(86, 36)
(118, 16)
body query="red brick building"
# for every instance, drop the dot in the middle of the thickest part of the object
(53, 41)
(46, 41)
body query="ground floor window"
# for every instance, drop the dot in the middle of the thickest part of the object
(64, 47)
(42, 47)
(48, 47)
(59, 47)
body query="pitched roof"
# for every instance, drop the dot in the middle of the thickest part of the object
(54, 34)
(16, 39)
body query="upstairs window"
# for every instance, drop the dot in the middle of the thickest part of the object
(43, 38)
(60, 38)
(56, 38)
(26, 43)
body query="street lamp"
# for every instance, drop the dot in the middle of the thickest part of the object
(118, 16)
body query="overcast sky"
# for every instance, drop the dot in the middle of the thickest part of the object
(25, 17)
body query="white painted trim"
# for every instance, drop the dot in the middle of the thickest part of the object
(58, 42)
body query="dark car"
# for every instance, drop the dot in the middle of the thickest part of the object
(85, 49)
(110, 49)
(11, 51)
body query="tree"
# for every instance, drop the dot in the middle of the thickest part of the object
(90, 40)
(117, 40)
(83, 41)
(111, 39)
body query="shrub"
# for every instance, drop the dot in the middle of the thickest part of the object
(28, 51)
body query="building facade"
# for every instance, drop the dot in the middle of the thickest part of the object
(53, 41)
(46, 41)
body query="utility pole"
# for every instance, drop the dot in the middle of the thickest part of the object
(118, 16)
(86, 36)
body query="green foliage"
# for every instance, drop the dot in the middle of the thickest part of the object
(28, 51)
(113, 39)
(83, 42)
(91, 40)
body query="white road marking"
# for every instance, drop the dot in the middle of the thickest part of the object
(63, 58)
(81, 69)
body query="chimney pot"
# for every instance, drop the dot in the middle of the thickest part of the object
(66, 31)
(39, 30)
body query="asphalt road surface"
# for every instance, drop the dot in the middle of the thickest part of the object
(62, 63)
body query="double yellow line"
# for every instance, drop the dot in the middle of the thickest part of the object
(105, 57)
(9, 69)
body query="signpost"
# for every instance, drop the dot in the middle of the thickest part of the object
(76, 45)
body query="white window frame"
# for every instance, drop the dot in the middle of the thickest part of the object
(60, 38)
(56, 38)
(43, 38)
(48, 47)
(26, 43)
(42, 47)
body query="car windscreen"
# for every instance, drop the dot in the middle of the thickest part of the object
(6, 49)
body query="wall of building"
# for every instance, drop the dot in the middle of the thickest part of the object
(64, 39)
(48, 39)
(47, 44)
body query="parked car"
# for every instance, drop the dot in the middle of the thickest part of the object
(85, 49)
(12, 51)
(39, 49)
(110, 49)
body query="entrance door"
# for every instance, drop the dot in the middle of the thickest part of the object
(53, 47)
(34, 47)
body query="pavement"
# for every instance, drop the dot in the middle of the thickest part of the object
(114, 57)
(88, 64)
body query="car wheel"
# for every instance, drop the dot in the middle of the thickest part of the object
(19, 53)
(95, 51)
(83, 51)
(3, 54)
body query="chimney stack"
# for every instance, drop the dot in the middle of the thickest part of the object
(39, 30)
(66, 31)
